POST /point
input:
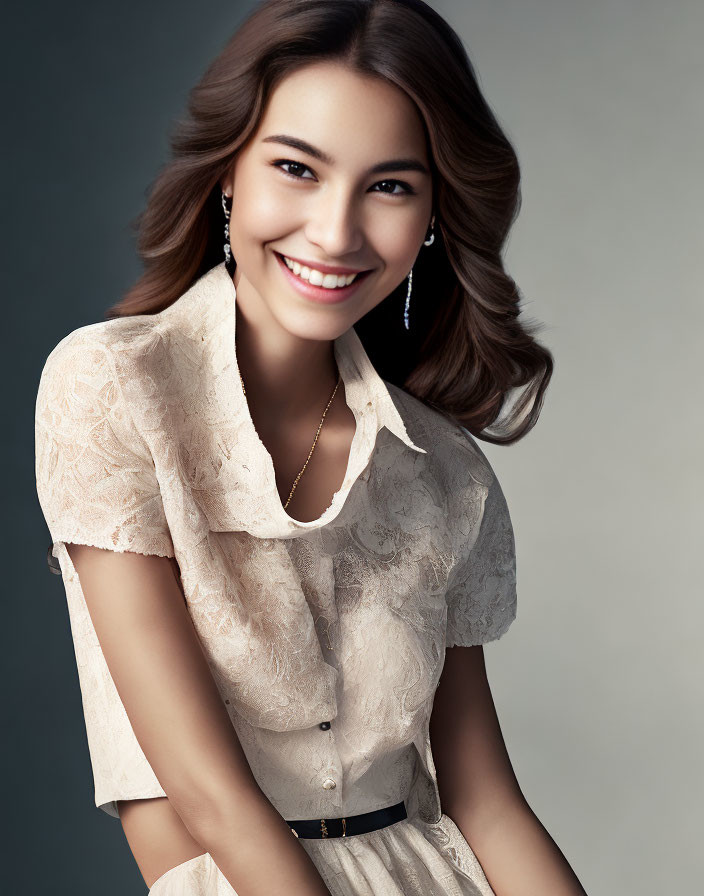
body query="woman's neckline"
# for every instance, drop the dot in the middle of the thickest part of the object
(365, 430)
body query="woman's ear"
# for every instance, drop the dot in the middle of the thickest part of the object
(227, 182)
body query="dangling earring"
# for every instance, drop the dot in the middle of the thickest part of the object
(427, 242)
(228, 251)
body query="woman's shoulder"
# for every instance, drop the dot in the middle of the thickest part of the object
(82, 376)
(452, 451)
(153, 352)
(107, 337)
(132, 350)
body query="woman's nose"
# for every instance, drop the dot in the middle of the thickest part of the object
(336, 227)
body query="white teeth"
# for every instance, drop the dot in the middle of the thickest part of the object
(317, 278)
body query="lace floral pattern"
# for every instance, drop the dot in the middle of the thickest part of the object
(95, 478)
(482, 594)
(144, 443)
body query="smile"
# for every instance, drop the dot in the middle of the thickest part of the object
(317, 286)
(318, 278)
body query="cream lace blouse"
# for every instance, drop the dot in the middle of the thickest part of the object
(144, 443)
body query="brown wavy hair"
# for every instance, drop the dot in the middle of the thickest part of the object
(466, 354)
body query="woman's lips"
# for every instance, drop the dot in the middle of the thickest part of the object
(319, 293)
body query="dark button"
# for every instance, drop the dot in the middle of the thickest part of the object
(325, 725)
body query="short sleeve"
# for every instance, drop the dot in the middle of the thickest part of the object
(95, 476)
(481, 595)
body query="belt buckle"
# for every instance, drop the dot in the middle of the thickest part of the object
(324, 828)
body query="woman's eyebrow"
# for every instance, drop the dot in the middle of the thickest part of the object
(303, 146)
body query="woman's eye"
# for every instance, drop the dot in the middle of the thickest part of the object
(281, 162)
(406, 189)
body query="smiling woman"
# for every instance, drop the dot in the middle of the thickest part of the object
(335, 218)
(269, 547)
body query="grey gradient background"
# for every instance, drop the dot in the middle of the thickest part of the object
(598, 684)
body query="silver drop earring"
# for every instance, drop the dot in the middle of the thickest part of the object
(228, 251)
(427, 242)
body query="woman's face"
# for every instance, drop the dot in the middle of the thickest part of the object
(333, 210)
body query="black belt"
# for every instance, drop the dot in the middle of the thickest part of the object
(316, 828)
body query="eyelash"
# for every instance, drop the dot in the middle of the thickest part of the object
(407, 188)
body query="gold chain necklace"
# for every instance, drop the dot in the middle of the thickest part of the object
(315, 441)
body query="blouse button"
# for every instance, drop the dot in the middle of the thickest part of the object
(329, 784)
(325, 725)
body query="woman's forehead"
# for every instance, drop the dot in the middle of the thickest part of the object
(344, 113)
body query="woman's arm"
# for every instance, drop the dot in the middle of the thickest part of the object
(164, 682)
(480, 792)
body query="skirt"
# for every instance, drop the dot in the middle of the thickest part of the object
(408, 858)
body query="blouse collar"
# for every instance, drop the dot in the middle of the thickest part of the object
(244, 494)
